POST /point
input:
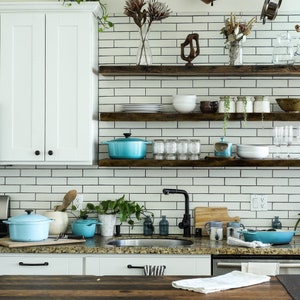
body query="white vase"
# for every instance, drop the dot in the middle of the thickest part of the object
(60, 221)
(235, 53)
(108, 223)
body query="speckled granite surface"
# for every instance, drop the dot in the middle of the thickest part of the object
(97, 245)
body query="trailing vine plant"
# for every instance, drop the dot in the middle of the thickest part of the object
(103, 21)
(226, 113)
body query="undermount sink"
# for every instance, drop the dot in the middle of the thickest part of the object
(140, 242)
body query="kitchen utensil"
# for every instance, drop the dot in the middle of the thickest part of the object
(203, 215)
(68, 199)
(29, 227)
(252, 151)
(289, 104)
(275, 237)
(223, 149)
(214, 230)
(127, 148)
(184, 103)
(85, 227)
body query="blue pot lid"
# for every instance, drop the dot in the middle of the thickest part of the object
(28, 218)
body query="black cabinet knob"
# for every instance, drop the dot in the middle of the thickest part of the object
(50, 152)
(37, 152)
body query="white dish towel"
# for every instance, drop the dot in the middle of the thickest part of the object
(271, 269)
(237, 242)
(232, 280)
(154, 270)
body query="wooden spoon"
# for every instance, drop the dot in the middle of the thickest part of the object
(68, 199)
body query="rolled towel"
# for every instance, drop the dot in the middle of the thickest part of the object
(232, 280)
(154, 270)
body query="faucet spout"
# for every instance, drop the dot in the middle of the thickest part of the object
(185, 224)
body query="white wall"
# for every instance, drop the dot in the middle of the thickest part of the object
(41, 188)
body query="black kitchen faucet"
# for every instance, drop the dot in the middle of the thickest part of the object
(185, 224)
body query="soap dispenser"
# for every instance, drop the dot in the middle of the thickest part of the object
(148, 226)
(276, 224)
(163, 226)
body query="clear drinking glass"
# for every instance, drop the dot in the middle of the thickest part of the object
(182, 149)
(194, 149)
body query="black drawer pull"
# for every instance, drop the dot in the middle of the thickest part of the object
(138, 267)
(33, 265)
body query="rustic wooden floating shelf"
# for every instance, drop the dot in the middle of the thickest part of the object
(202, 70)
(202, 163)
(165, 117)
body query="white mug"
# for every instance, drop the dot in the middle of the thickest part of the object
(215, 230)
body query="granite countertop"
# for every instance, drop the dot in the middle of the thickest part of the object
(97, 245)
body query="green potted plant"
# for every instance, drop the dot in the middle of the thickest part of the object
(104, 22)
(126, 209)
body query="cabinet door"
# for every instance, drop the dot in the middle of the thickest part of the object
(22, 87)
(175, 264)
(70, 87)
(40, 264)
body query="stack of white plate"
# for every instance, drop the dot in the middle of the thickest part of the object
(252, 151)
(141, 108)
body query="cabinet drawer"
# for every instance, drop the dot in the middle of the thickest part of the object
(175, 264)
(41, 265)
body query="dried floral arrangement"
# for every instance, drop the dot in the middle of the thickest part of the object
(235, 31)
(141, 15)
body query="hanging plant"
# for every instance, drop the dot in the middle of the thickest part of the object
(244, 99)
(103, 21)
(226, 113)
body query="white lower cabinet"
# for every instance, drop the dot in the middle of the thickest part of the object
(41, 264)
(117, 264)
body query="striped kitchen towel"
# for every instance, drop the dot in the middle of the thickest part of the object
(154, 270)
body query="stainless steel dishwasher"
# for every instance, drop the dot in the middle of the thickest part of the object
(221, 264)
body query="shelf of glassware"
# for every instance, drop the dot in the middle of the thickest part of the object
(201, 163)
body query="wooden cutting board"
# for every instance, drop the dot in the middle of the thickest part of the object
(7, 242)
(206, 214)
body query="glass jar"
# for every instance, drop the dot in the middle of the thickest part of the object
(148, 226)
(194, 148)
(261, 104)
(171, 149)
(276, 224)
(158, 149)
(163, 226)
(182, 149)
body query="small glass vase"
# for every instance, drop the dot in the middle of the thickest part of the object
(144, 55)
(235, 53)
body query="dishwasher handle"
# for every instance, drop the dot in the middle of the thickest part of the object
(234, 265)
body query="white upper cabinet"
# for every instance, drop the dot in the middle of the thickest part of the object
(48, 85)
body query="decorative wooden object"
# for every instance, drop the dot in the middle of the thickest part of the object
(189, 41)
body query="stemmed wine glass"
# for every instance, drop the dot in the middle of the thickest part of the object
(277, 139)
(288, 137)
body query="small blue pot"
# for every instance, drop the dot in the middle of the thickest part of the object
(85, 227)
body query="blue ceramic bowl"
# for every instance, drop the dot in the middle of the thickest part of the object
(269, 237)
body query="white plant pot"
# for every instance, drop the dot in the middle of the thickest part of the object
(108, 224)
(60, 223)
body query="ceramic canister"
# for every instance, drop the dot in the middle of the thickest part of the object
(215, 230)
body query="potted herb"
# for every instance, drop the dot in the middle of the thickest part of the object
(104, 22)
(126, 209)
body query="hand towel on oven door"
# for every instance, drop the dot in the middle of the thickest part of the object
(271, 269)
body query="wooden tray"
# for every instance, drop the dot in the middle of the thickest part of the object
(206, 214)
(7, 242)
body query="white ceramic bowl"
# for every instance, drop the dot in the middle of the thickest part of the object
(184, 103)
(252, 151)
